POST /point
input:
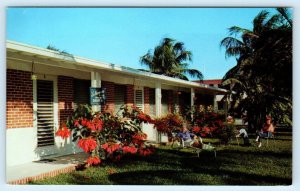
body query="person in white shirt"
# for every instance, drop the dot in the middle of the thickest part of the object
(243, 133)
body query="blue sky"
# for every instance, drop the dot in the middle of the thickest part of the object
(122, 35)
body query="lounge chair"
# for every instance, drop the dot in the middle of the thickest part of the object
(179, 143)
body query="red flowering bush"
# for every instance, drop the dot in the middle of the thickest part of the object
(105, 136)
(205, 122)
(135, 114)
(168, 124)
(145, 118)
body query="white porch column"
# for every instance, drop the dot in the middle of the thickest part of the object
(192, 97)
(158, 106)
(158, 99)
(96, 83)
(215, 103)
(192, 100)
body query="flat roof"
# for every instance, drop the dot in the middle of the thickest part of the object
(12, 46)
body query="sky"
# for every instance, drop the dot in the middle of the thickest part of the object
(122, 35)
(83, 33)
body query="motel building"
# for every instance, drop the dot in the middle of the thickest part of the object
(44, 87)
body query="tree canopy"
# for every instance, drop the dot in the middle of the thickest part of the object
(170, 58)
(264, 67)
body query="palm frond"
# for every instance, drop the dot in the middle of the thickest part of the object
(285, 14)
(231, 42)
(259, 21)
(235, 30)
(194, 73)
(184, 55)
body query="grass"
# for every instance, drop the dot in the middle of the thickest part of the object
(234, 165)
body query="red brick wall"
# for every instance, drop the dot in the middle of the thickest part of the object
(129, 98)
(65, 90)
(19, 99)
(146, 100)
(110, 96)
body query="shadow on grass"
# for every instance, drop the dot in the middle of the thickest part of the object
(191, 170)
(182, 167)
(187, 177)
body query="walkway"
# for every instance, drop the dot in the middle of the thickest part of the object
(22, 174)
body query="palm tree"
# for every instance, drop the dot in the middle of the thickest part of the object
(171, 59)
(264, 65)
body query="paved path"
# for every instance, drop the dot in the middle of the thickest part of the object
(21, 174)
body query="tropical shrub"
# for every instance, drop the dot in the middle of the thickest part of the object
(205, 122)
(171, 123)
(105, 136)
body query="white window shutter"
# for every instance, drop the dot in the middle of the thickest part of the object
(139, 98)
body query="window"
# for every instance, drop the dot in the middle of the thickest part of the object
(119, 98)
(81, 92)
(139, 98)
(152, 101)
(164, 102)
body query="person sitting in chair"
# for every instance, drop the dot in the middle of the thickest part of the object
(266, 130)
(188, 138)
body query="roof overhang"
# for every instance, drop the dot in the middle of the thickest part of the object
(54, 58)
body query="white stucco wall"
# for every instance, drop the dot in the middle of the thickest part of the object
(150, 131)
(21, 147)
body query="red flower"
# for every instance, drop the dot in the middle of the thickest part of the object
(87, 144)
(110, 148)
(196, 129)
(143, 117)
(93, 160)
(84, 122)
(206, 130)
(63, 132)
(76, 123)
(105, 146)
(146, 151)
(98, 124)
(139, 138)
(175, 120)
(95, 125)
(128, 149)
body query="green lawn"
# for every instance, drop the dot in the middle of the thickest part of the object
(234, 165)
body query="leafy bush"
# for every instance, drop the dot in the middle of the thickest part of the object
(105, 136)
(168, 124)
